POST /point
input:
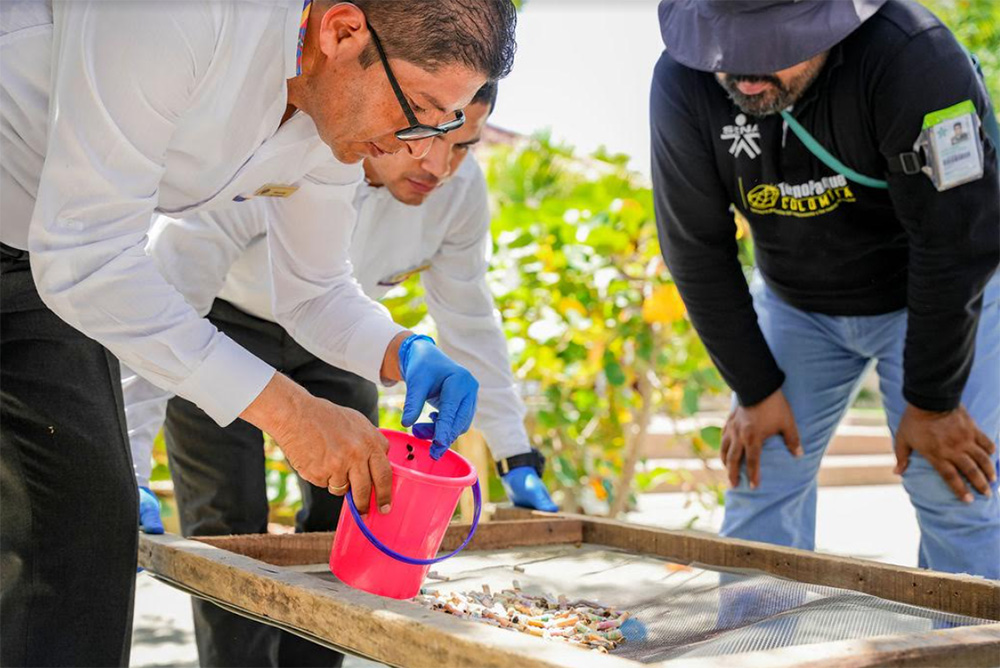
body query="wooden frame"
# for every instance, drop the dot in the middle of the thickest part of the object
(257, 576)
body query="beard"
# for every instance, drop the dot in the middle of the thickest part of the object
(776, 98)
(771, 101)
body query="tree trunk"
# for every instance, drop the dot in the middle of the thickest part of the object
(634, 437)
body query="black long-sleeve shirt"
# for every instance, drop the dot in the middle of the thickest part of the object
(824, 244)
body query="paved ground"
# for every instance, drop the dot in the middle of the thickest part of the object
(873, 522)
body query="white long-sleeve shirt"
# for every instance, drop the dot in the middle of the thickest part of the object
(114, 110)
(446, 239)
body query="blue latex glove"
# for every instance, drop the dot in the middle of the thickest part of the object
(526, 489)
(431, 377)
(149, 512)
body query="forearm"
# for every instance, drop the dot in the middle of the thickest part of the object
(470, 333)
(274, 410)
(500, 416)
(315, 296)
(500, 412)
(941, 340)
(698, 239)
(119, 299)
(145, 409)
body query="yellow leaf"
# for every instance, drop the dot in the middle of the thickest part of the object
(567, 304)
(742, 224)
(674, 396)
(664, 305)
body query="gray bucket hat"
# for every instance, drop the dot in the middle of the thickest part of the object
(757, 36)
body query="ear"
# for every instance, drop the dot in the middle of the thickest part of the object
(343, 31)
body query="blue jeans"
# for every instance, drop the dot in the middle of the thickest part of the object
(824, 359)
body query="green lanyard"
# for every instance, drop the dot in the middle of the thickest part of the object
(828, 158)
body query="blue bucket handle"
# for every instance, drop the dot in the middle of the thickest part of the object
(388, 551)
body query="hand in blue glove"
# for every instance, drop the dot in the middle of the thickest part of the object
(527, 490)
(425, 430)
(149, 512)
(431, 377)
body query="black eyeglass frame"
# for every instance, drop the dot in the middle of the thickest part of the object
(416, 130)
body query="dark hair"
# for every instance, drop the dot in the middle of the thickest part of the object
(434, 33)
(487, 95)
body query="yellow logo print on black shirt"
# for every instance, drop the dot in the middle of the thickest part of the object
(804, 200)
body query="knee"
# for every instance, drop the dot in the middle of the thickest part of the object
(937, 504)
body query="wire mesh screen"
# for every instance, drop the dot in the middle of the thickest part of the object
(689, 610)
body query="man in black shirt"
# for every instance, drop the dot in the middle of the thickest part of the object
(862, 258)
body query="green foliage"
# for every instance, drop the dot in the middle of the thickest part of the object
(597, 332)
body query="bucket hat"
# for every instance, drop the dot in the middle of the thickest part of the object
(757, 36)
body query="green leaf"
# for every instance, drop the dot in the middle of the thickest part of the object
(689, 404)
(613, 371)
(712, 437)
(521, 241)
(160, 472)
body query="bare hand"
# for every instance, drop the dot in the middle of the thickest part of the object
(746, 430)
(328, 445)
(952, 444)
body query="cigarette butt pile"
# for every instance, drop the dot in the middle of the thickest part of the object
(583, 623)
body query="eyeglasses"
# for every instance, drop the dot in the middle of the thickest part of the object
(417, 130)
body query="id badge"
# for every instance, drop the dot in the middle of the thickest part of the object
(395, 279)
(950, 140)
(275, 190)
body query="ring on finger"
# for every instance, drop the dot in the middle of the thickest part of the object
(338, 489)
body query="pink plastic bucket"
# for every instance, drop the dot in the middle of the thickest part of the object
(390, 554)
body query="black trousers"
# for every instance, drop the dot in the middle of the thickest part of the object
(219, 481)
(68, 498)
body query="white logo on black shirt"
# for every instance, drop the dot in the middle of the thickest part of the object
(743, 136)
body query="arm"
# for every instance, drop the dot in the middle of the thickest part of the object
(324, 309)
(953, 235)
(194, 255)
(468, 324)
(954, 250)
(122, 78)
(315, 296)
(145, 408)
(698, 237)
(469, 329)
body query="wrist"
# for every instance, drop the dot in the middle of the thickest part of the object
(533, 459)
(392, 370)
(925, 414)
(403, 354)
(276, 406)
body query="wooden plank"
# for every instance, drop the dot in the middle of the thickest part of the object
(314, 548)
(508, 513)
(959, 594)
(966, 646)
(291, 549)
(399, 633)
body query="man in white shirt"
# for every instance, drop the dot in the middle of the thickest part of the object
(112, 111)
(428, 216)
